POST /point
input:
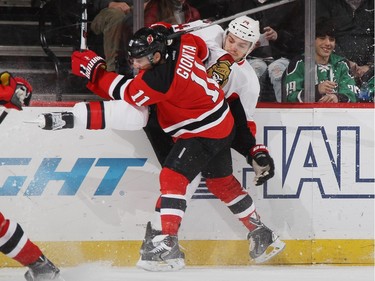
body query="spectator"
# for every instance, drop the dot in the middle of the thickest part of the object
(354, 20)
(210, 9)
(231, 7)
(366, 92)
(170, 11)
(282, 39)
(110, 21)
(115, 21)
(333, 82)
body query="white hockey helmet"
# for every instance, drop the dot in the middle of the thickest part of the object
(246, 29)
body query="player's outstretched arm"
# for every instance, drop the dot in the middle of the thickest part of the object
(116, 114)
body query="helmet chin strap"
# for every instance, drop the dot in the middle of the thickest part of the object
(251, 48)
(150, 58)
(246, 54)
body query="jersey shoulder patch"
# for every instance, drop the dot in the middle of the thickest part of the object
(221, 70)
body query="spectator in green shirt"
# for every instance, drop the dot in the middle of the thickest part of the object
(333, 80)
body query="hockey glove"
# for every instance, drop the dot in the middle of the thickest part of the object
(15, 92)
(262, 164)
(86, 64)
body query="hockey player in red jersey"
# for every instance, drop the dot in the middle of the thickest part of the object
(15, 93)
(16, 245)
(192, 124)
(241, 86)
(192, 110)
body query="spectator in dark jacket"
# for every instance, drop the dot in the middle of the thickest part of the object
(115, 22)
(282, 39)
(171, 11)
(110, 20)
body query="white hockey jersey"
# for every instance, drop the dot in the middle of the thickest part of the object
(236, 79)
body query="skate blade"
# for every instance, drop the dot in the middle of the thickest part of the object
(170, 265)
(272, 250)
(31, 121)
(55, 277)
(58, 278)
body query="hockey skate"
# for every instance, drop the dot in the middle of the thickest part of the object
(149, 235)
(163, 255)
(56, 120)
(42, 270)
(264, 243)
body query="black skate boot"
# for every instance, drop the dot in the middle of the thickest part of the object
(149, 235)
(264, 243)
(56, 120)
(42, 270)
(164, 255)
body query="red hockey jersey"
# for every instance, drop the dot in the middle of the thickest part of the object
(189, 104)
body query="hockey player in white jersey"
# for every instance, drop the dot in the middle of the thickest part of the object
(227, 62)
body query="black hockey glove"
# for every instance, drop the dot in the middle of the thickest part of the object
(262, 163)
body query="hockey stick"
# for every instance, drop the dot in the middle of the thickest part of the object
(3, 115)
(244, 13)
(84, 26)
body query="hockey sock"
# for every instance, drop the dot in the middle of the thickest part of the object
(251, 221)
(156, 219)
(229, 190)
(191, 188)
(16, 245)
(173, 203)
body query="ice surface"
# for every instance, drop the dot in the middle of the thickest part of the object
(102, 272)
